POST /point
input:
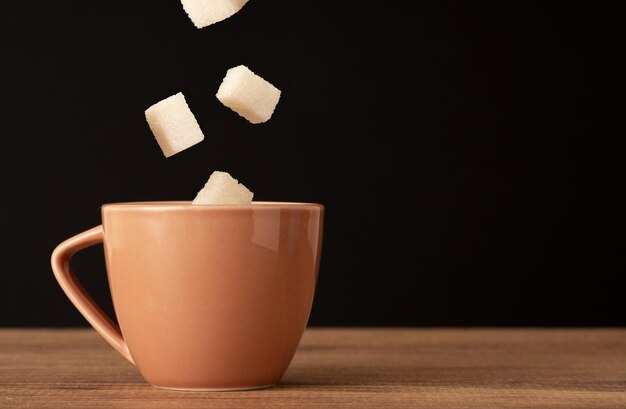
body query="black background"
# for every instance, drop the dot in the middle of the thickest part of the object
(467, 154)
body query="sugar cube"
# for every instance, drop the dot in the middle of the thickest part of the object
(221, 188)
(173, 125)
(248, 94)
(206, 12)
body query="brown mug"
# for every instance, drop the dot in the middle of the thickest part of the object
(208, 297)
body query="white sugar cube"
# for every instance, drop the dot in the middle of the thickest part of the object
(248, 94)
(173, 125)
(221, 188)
(206, 12)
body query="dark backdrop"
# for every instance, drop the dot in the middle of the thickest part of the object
(467, 153)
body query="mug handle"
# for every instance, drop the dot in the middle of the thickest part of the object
(76, 292)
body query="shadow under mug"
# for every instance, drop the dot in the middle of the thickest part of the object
(207, 297)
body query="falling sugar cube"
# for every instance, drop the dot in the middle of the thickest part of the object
(173, 125)
(223, 189)
(206, 12)
(248, 94)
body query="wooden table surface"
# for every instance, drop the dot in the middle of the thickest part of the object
(341, 368)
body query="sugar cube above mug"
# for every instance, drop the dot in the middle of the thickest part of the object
(173, 124)
(223, 189)
(206, 12)
(248, 94)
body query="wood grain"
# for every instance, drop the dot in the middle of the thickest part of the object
(342, 368)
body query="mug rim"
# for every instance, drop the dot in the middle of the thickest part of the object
(187, 205)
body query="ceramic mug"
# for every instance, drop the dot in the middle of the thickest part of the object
(208, 297)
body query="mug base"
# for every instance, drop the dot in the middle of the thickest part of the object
(242, 388)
